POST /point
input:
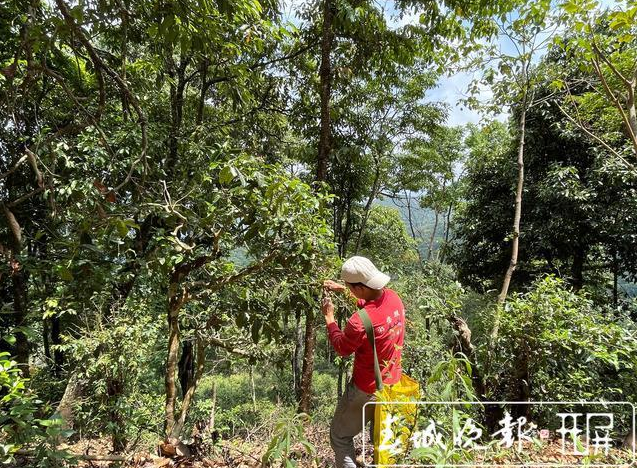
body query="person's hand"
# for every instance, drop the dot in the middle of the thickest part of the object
(330, 285)
(328, 309)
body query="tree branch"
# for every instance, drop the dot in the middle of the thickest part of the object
(581, 126)
(99, 63)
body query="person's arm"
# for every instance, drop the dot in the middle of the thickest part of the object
(346, 341)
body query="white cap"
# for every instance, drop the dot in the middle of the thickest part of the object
(362, 270)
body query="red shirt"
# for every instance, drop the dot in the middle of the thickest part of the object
(388, 318)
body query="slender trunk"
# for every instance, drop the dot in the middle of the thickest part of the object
(446, 241)
(202, 91)
(577, 271)
(631, 118)
(447, 223)
(367, 209)
(296, 358)
(45, 340)
(308, 365)
(177, 88)
(346, 232)
(66, 407)
(124, 51)
(632, 115)
(18, 290)
(174, 304)
(518, 211)
(516, 236)
(56, 339)
(253, 389)
(411, 225)
(178, 426)
(433, 236)
(615, 276)
(114, 390)
(522, 379)
(325, 77)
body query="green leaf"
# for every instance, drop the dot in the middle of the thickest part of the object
(9, 339)
(65, 274)
(227, 174)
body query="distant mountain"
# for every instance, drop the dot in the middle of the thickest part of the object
(423, 220)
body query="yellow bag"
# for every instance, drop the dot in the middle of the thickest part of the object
(393, 423)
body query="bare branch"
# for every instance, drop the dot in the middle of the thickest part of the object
(229, 347)
(610, 65)
(23, 198)
(15, 166)
(99, 63)
(581, 126)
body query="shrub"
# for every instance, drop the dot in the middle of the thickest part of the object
(562, 346)
(19, 424)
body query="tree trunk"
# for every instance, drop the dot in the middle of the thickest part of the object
(174, 304)
(202, 91)
(516, 235)
(577, 271)
(632, 113)
(433, 236)
(56, 339)
(412, 229)
(114, 389)
(325, 77)
(345, 234)
(45, 340)
(296, 358)
(522, 380)
(463, 344)
(66, 407)
(189, 394)
(18, 290)
(308, 365)
(518, 211)
(177, 88)
(368, 206)
(186, 367)
(447, 224)
(615, 277)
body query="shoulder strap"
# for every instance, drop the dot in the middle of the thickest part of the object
(369, 330)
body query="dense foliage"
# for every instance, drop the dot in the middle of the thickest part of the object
(178, 178)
